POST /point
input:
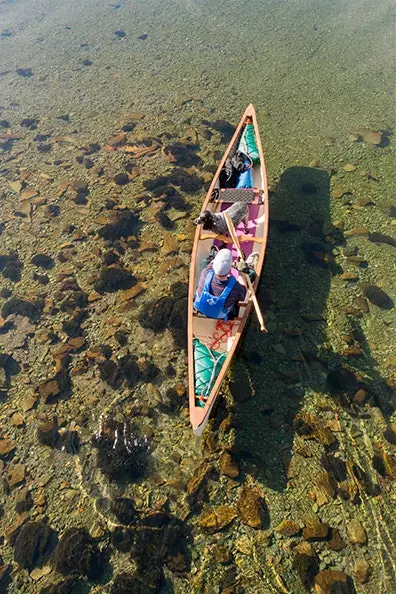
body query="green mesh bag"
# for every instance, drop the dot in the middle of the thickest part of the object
(207, 365)
(248, 145)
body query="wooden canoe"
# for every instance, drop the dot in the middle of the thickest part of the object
(220, 337)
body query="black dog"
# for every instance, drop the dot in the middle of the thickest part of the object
(216, 222)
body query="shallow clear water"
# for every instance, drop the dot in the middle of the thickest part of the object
(312, 403)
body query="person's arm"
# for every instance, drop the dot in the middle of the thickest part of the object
(201, 282)
(242, 290)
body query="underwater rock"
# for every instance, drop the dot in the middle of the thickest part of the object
(6, 446)
(356, 532)
(178, 322)
(124, 510)
(390, 433)
(43, 261)
(172, 199)
(28, 309)
(187, 182)
(155, 315)
(157, 185)
(30, 123)
(72, 327)
(184, 155)
(121, 336)
(377, 296)
(121, 179)
(357, 232)
(315, 530)
(198, 480)
(76, 554)
(215, 518)
(122, 538)
(125, 224)
(121, 451)
(52, 388)
(139, 583)
(341, 380)
(389, 210)
(330, 581)
(377, 237)
(34, 543)
(251, 508)
(129, 367)
(111, 373)
(221, 554)
(384, 463)
(362, 304)
(349, 167)
(47, 433)
(15, 474)
(318, 254)
(161, 540)
(305, 564)
(288, 528)
(114, 279)
(361, 571)
(25, 72)
(336, 543)
(14, 333)
(367, 135)
(23, 501)
(225, 128)
(11, 267)
(43, 279)
(228, 466)
(110, 258)
(312, 427)
(75, 301)
(165, 221)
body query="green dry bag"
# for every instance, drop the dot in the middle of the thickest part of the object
(207, 365)
(248, 145)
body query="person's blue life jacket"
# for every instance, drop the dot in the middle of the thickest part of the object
(211, 306)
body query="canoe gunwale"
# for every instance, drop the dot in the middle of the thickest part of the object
(200, 415)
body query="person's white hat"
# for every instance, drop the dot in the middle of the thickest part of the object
(222, 262)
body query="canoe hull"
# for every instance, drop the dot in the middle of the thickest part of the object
(218, 334)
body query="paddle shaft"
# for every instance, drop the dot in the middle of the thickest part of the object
(253, 297)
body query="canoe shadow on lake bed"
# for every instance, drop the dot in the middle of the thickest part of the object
(292, 369)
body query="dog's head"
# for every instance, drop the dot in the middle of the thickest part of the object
(205, 219)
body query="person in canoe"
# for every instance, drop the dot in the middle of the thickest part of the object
(219, 292)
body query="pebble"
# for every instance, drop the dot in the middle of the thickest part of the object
(356, 532)
(316, 530)
(357, 232)
(6, 446)
(350, 276)
(16, 474)
(17, 420)
(361, 571)
(228, 466)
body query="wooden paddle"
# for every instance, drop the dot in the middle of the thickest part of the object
(253, 297)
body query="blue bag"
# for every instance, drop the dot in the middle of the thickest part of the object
(245, 179)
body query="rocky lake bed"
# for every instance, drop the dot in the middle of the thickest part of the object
(103, 169)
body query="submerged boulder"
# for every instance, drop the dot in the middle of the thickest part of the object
(76, 554)
(121, 451)
(33, 545)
